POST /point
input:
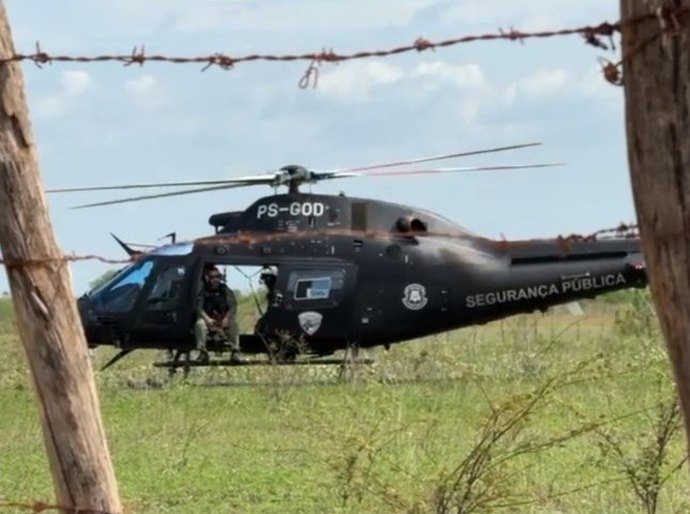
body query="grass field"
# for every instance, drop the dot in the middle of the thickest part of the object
(547, 413)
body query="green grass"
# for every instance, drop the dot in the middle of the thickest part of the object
(298, 440)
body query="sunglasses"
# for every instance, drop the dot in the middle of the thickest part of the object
(214, 275)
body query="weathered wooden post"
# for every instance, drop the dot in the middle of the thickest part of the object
(46, 311)
(656, 75)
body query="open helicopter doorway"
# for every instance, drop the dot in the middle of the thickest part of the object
(254, 289)
(288, 308)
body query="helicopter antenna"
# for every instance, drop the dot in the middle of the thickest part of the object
(130, 251)
(171, 235)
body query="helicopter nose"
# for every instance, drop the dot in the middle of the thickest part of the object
(88, 319)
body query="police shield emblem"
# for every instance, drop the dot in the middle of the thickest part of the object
(414, 297)
(310, 321)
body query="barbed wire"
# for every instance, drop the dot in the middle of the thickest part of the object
(669, 21)
(622, 231)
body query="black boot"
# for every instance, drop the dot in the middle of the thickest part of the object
(203, 357)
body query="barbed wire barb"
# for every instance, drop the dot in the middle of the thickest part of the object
(138, 57)
(513, 35)
(40, 57)
(422, 43)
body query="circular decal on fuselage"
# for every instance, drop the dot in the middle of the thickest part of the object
(414, 297)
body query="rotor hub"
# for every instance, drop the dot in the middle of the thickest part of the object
(293, 175)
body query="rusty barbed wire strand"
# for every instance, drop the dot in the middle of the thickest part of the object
(669, 21)
(41, 261)
(138, 56)
(622, 231)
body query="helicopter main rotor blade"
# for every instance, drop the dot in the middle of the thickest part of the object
(162, 195)
(444, 170)
(430, 158)
(248, 180)
(274, 178)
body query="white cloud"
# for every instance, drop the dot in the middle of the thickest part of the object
(543, 82)
(540, 21)
(469, 75)
(509, 94)
(445, 80)
(354, 80)
(526, 16)
(286, 16)
(51, 107)
(74, 84)
(460, 90)
(146, 89)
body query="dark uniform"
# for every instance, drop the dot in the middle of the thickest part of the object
(214, 305)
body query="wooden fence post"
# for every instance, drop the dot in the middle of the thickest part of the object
(656, 75)
(47, 315)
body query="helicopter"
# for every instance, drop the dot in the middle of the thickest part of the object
(343, 273)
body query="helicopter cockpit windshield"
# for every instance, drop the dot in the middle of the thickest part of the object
(120, 293)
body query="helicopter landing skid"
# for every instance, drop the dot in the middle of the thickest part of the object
(235, 362)
(117, 357)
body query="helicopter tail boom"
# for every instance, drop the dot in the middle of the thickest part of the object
(544, 274)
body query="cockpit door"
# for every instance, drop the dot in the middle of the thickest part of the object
(165, 304)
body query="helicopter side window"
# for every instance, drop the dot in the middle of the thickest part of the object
(313, 288)
(315, 285)
(166, 289)
(121, 294)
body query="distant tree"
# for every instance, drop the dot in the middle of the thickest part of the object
(102, 279)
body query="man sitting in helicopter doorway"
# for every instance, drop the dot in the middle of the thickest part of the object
(216, 314)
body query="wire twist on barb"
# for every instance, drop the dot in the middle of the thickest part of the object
(513, 35)
(422, 44)
(593, 35)
(40, 57)
(223, 61)
(136, 57)
(328, 56)
(592, 38)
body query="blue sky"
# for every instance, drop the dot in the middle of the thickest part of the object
(101, 124)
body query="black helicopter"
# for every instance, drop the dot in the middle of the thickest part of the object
(342, 273)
